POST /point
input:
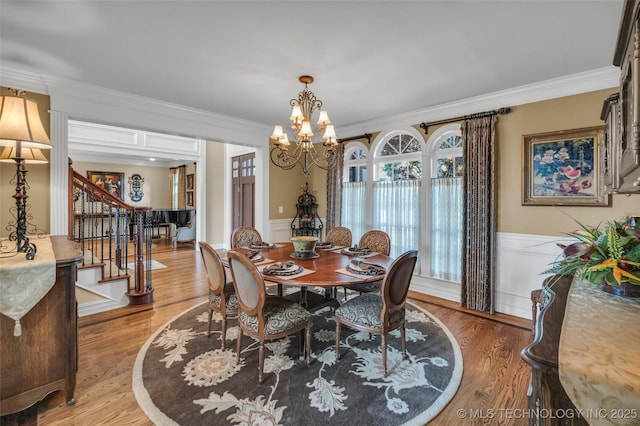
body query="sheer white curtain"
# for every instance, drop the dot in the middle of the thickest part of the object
(396, 210)
(446, 228)
(354, 208)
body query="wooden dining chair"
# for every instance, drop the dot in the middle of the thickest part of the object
(244, 236)
(339, 236)
(380, 313)
(222, 294)
(263, 316)
(377, 241)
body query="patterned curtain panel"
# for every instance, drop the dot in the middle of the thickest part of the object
(446, 228)
(479, 225)
(334, 191)
(353, 208)
(173, 187)
(396, 210)
(177, 187)
(182, 186)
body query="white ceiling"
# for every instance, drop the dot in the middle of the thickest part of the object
(370, 59)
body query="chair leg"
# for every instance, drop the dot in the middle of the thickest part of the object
(308, 344)
(239, 345)
(210, 317)
(403, 336)
(337, 339)
(260, 361)
(384, 353)
(224, 331)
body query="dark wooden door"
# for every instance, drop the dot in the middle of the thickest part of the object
(243, 179)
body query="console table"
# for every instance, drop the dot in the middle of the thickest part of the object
(599, 355)
(44, 358)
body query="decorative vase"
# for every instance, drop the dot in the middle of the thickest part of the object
(625, 289)
(304, 247)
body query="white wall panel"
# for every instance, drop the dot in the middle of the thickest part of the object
(520, 260)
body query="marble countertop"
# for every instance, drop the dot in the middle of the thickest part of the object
(599, 355)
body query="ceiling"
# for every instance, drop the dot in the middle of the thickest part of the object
(370, 59)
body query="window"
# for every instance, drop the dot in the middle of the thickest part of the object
(356, 165)
(413, 192)
(396, 191)
(399, 159)
(354, 188)
(445, 224)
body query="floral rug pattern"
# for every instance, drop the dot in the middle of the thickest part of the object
(208, 387)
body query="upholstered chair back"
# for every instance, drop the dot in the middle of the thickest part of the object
(395, 285)
(214, 267)
(377, 241)
(339, 236)
(244, 236)
(248, 283)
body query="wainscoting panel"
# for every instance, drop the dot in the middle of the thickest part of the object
(280, 230)
(520, 260)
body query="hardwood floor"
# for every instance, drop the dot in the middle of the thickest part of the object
(494, 376)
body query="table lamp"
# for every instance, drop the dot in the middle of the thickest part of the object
(22, 135)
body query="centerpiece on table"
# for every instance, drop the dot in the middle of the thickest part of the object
(304, 247)
(608, 256)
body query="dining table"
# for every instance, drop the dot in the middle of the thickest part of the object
(328, 268)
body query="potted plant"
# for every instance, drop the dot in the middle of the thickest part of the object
(607, 255)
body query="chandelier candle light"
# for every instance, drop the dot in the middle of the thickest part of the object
(22, 135)
(305, 153)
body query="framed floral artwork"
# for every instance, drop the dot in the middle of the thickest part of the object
(564, 168)
(111, 182)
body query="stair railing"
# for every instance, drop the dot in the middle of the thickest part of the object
(110, 232)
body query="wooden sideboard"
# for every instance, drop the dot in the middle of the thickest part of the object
(546, 396)
(44, 359)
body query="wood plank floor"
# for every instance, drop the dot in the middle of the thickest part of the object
(494, 376)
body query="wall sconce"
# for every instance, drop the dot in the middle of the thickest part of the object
(23, 135)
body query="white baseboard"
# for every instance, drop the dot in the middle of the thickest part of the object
(97, 306)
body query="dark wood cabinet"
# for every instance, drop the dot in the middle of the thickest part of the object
(44, 359)
(622, 112)
(546, 394)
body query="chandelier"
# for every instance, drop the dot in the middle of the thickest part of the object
(304, 152)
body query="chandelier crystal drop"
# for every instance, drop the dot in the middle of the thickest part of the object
(306, 134)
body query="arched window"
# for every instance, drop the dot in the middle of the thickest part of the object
(399, 159)
(354, 205)
(445, 203)
(396, 190)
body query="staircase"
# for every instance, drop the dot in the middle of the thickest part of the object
(110, 234)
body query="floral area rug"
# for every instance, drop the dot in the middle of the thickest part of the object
(181, 376)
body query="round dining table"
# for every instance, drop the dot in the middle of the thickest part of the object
(327, 271)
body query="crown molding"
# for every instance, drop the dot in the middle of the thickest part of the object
(120, 108)
(23, 79)
(91, 103)
(588, 81)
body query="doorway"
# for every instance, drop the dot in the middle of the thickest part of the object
(243, 185)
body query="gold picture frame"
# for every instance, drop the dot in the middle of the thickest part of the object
(112, 182)
(564, 168)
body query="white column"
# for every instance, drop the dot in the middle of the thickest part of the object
(59, 174)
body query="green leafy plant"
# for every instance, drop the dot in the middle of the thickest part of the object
(610, 255)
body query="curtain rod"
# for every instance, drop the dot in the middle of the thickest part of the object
(501, 111)
(366, 136)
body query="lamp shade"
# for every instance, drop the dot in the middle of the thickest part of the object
(20, 122)
(8, 154)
